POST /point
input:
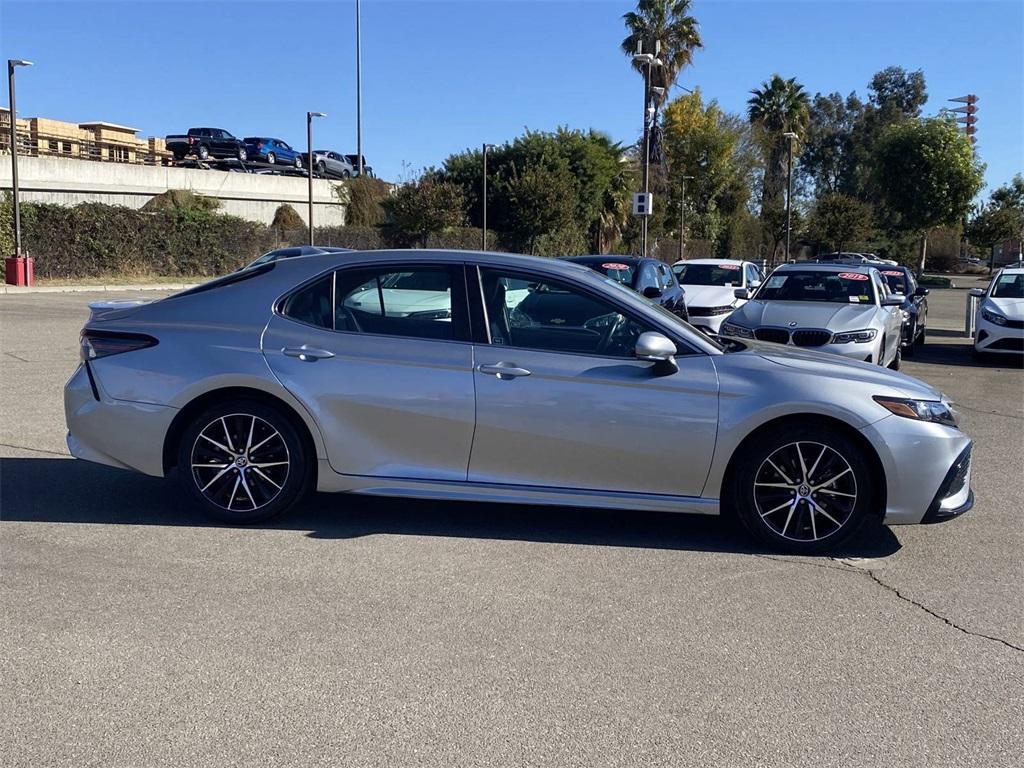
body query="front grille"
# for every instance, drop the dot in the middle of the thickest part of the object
(1010, 345)
(811, 338)
(708, 311)
(776, 335)
(1014, 324)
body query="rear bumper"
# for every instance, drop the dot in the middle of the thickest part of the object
(118, 433)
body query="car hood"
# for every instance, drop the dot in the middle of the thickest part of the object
(806, 314)
(840, 368)
(709, 295)
(1011, 309)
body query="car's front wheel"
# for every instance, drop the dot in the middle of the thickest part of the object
(244, 462)
(802, 489)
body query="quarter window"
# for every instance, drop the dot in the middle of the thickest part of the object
(549, 315)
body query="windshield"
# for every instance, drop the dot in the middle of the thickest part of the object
(896, 280)
(1009, 287)
(839, 287)
(619, 271)
(710, 274)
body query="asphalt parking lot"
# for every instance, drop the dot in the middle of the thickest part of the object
(398, 633)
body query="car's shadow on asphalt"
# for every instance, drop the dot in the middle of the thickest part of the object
(934, 352)
(56, 490)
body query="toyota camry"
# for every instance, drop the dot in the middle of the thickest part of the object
(520, 380)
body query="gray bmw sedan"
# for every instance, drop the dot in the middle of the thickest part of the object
(500, 378)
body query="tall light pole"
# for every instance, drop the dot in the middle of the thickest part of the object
(682, 217)
(309, 165)
(483, 199)
(789, 135)
(21, 273)
(646, 60)
(359, 89)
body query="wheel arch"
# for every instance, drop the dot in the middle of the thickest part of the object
(200, 403)
(802, 419)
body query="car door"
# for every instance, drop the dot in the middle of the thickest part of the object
(388, 381)
(563, 402)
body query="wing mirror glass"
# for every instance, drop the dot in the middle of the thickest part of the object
(893, 300)
(741, 293)
(656, 348)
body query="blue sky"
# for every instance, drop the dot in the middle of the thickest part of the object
(440, 76)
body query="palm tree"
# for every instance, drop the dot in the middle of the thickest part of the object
(667, 22)
(779, 106)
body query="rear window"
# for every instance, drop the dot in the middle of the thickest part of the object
(896, 280)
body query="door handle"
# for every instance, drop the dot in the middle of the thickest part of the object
(504, 371)
(307, 354)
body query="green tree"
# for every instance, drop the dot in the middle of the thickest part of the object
(926, 175)
(825, 156)
(839, 220)
(1010, 195)
(669, 23)
(778, 107)
(422, 208)
(541, 211)
(365, 196)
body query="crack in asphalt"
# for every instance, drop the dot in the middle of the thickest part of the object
(962, 407)
(839, 566)
(35, 450)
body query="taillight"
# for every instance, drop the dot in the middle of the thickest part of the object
(97, 344)
(191, 139)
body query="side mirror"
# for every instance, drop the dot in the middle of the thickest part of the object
(922, 290)
(741, 293)
(656, 348)
(977, 292)
(652, 292)
(894, 300)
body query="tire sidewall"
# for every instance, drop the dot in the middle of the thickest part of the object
(749, 461)
(296, 487)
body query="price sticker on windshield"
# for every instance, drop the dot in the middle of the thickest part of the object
(614, 265)
(892, 273)
(729, 266)
(852, 276)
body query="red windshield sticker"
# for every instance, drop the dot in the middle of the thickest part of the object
(892, 273)
(728, 266)
(614, 265)
(852, 276)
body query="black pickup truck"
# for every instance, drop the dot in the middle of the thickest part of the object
(205, 143)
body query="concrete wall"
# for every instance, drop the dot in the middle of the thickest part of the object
(251, 196)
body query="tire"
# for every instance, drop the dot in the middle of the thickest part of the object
(911, 346)
(271, 158)
(179, 156)
(781, 509)
(242, 154)
(321, 168)
(346, 174)
(298, 162)
(241, 485)
(895, 364)
(203, 152)
(919, 341)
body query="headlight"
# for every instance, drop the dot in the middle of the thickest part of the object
(731, 329)
(937, 411)
(993, 317)
(857, 337)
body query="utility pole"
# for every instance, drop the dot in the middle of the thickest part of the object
(789, 135)
(483, 199)
(646, 60)
(359, 89)
(17, 270)
(309, 166)
(682, 218)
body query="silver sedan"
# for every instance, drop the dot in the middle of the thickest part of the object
(500, 378)
(844, 310)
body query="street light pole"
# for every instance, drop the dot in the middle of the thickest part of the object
(483, 237)
(789, 135)
(309, 165)
(682, 217)
(647, 156)
(359, 89)
(11, 64)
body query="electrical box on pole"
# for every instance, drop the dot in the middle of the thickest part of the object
(643, 202)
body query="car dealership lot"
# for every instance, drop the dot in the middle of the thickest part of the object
(388, 632)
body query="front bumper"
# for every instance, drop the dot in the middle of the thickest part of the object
(927, 469)
(708, 323)
(989, 337)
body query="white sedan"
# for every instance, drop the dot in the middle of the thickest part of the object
(999, 323)
(713, 286)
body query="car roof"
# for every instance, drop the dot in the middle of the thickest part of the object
(610, 257)
(710, 261)
(1012, 270)
(813, 266)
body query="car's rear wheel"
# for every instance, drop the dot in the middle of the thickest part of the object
(242, 154)
(244, 462)
(203, 152)
(271, 158)
(321, 168)
(298, 161)
(802, 489)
